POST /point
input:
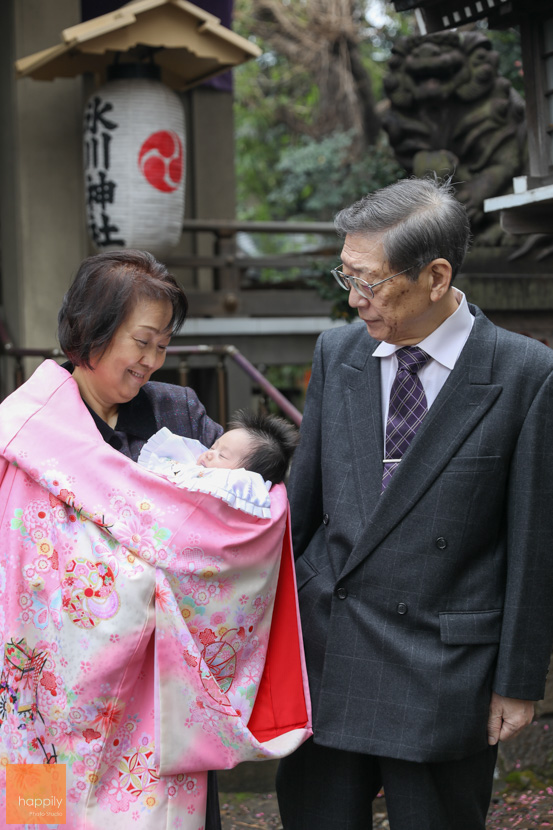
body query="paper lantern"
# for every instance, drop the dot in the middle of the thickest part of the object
(134, 147)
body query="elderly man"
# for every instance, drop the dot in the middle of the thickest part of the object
(422, 509)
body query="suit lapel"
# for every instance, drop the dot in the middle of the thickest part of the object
(362, 396)
(464, 399)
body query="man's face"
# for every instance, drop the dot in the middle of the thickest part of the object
(401, 312)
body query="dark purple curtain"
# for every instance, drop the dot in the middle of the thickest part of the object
(220, 8)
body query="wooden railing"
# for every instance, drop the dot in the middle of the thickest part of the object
(230, 294)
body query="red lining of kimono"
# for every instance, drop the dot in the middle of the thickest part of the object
(280, 702)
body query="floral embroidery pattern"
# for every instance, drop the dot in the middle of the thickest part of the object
(88, 591)
(135, 775)
(21, 680)
(220, 659)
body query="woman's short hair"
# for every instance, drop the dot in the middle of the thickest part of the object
(274, 442)
(418, 219)
(105, 290)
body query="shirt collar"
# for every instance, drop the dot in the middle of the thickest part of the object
(445, 343)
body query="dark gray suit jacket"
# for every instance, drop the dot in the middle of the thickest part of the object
(419, 602)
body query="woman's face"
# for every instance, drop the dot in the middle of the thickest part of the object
(136, 350)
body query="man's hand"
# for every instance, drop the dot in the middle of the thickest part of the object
(508, 716)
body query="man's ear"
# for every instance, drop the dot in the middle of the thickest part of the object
(440, 275)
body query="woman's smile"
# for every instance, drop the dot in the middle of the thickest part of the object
(136, 351)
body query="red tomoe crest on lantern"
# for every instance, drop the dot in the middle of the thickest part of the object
(160, 160)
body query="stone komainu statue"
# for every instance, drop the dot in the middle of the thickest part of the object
(451, 112)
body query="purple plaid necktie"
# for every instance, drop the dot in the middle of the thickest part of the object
(407, 408)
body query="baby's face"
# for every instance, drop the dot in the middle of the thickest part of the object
(228, 451)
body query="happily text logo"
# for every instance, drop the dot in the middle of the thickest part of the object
(35, 793)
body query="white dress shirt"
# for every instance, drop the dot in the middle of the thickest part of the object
(444, 346)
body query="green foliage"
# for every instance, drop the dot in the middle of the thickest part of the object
(289, 165)
(523, 779)
(319, 177)
(262, 89)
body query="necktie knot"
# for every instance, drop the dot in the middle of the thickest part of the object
(411, 358)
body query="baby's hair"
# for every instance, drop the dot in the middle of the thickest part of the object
(275, 442)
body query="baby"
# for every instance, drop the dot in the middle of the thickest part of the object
(263, 444)
(240, 467)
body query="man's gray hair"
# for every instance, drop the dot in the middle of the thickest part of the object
(419, 220)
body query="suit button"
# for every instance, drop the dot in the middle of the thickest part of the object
(341, 593)
(326, 518)
(441, 543)
(401, 608)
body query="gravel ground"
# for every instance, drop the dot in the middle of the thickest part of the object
(522, 799)
(260, 811)
(525, 810)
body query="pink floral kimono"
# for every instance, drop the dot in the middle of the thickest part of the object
(149, 633)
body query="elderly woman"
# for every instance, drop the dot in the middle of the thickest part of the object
(149, 633)
(115, 324)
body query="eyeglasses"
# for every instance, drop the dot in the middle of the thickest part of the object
(363, 288)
